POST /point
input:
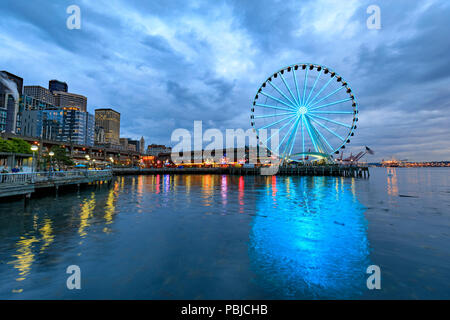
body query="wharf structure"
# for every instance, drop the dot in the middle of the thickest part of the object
(17, 184)
(333, 170)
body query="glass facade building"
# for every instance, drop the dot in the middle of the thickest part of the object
(68, 125)
(11, 87)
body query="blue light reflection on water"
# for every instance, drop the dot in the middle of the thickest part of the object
(309, 238)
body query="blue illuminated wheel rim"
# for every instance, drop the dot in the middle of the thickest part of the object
(312, 107)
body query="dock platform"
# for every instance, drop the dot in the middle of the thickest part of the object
(15, 184)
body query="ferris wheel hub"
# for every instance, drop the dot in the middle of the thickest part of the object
(302, 110)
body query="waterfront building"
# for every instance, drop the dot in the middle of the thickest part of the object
(156, 149)
(134, 145)
(109, 120)
(11, 87)
(129, 144)
(67, 99)
(39, 93)
(55, 85)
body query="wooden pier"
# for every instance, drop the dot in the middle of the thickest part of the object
(15, 184)
(332, 170)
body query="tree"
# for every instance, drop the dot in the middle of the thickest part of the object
(61, 156)
(15, 145)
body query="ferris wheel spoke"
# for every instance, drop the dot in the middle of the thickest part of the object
(311, 135)
(288, 132)
(296, 85)
(303, 135)
(282, 127)
(294, 136)
(327, 96)
(304, 86)
(333, 112)
(276, 122)
(289, 89)
(278, 100)
(274, 115)
(282, 93)
(332, 121)
(321, 90)
(272, 107)
(331, 104)
(326, 128)
(321, 136)
(314, 86)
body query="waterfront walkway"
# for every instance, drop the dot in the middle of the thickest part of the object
(14, 184)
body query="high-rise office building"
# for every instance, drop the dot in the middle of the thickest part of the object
(10, 92)
(69, 125)
(32, 103)
(39, 93)
(16, 79)
(55, 85)
(110, 121)
(90, 129)
(67, 99)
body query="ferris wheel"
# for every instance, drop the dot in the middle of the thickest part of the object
(310, 109)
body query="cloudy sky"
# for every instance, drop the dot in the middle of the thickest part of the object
(164, 64)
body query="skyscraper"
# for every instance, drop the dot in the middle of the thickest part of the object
(67, 99)
(68, 125)
(40, 93)
(10, 92)
(109, 119)
(55, 85)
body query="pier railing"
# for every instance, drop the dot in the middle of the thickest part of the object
(25, 178)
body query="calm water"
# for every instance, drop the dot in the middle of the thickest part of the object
(214, 237)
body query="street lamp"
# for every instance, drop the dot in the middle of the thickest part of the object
(34, 148)
(51, 154)
(88, 161)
